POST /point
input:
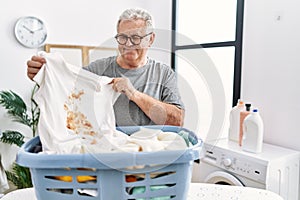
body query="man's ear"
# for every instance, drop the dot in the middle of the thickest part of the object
(152, 37)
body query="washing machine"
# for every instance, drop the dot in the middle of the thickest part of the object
(275, 169)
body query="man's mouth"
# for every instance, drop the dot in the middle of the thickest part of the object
(127, 50)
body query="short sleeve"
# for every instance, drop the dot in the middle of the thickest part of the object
(170, 92)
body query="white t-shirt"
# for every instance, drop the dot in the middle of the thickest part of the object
(76, 108)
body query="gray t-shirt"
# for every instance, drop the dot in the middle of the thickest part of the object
(154, 79)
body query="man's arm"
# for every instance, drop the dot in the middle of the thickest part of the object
(159, 112)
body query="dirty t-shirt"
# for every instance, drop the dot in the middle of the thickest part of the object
(76, 109)
(154, 79)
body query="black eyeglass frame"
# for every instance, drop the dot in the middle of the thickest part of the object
(130, 38)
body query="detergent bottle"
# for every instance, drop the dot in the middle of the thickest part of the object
(253, 132)
(243, 115)
(234, 121)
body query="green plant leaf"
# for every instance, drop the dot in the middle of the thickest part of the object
(19, 176)
(12, 137)
(15, 106)
(17, 111)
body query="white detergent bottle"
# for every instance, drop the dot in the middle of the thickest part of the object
(234, 121)
(253, 129)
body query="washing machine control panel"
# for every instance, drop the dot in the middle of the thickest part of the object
(236, 163)
(227, 162)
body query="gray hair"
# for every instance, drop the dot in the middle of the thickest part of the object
(137, 13)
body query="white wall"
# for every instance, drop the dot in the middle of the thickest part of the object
(68, 22)
(271, 67)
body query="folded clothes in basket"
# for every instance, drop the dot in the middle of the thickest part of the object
(142, 189)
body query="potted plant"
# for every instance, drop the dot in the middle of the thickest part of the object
(18, 111)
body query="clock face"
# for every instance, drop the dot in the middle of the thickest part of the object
(30, 32)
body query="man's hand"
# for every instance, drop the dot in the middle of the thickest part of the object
(34, 65)
(123, 85)
(159, 112)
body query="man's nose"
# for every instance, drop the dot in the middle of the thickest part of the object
(129, 43)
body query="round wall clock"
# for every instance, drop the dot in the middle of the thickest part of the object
(30, 31)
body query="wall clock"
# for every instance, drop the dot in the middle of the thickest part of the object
(30, 31)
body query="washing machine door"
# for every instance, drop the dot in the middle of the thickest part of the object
(223, 178)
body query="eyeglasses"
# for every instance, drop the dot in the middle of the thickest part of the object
(134, 39)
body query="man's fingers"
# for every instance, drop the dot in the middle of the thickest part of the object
(38, 59)
(31, 75)
(32, 70)
(112, 81)
(34, 64)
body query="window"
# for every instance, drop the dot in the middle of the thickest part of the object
(206, 53)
